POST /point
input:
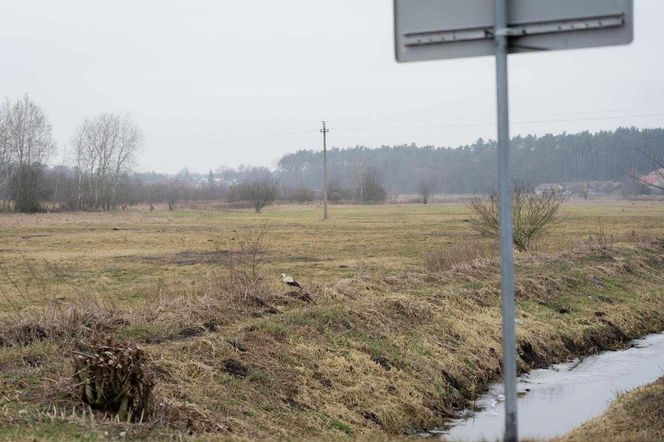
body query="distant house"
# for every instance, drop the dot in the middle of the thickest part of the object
(205, 181)
(549, 188)
(654, 178)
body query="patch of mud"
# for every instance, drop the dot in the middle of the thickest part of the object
(184, 333)
(235, 368)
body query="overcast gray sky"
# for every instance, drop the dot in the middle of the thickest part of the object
(220, 82)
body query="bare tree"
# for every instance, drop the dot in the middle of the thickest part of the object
(427, 186)
(259, 188)
(5, 161)
(175, 190)
(105, 147)
(370, 189)
(128, 143)
(245, 261)
(26, 140)
(532, 214)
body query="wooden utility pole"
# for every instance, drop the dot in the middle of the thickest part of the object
(324, 131)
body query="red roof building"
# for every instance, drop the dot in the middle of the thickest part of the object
(654, 178)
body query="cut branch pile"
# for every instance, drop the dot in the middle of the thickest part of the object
(114, 377)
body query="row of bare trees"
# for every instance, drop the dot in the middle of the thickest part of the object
(104, 149)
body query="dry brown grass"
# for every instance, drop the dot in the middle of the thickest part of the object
(376, 347)
(459, 254)
(373, 355)
(168, 314)
(126, 254)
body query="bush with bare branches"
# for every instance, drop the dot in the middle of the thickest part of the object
(244, 261)
(427, 186)
(532, 214)
(260, 191)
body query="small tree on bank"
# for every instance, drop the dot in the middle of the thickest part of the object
(532, 215)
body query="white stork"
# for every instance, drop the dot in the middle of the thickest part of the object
(289, 281)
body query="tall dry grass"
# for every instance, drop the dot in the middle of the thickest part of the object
(239, 288)
(460, 253)
(380, 352)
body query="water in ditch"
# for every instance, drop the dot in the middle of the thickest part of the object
(554, 400)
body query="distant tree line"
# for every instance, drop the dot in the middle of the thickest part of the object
(602, 156)
(102, 153)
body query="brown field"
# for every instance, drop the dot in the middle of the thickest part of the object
(396, 330)
(123, 255)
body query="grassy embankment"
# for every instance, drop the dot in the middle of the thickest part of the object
(383, 348)
(635, 416)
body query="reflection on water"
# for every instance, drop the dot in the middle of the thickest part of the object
(554, 400)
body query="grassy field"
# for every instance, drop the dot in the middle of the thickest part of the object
(123, 255)
(378, 344)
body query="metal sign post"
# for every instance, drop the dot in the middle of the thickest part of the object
(439, 29)
(505, 208)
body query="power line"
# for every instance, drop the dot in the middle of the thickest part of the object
(223, 132)
(231, 138)
(442, 125)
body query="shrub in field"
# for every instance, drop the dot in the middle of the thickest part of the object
(113, 376)
(337, 193)
(300, 194)
(260, 192)
(244, 262)
(532, 214)
(427, 186)
(243, 285)
(370, 189)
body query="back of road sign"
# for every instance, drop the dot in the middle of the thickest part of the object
(438, 29)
